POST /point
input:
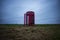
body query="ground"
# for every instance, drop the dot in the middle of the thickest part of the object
(37, 32)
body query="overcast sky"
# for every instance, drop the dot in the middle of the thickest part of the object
(46, 11)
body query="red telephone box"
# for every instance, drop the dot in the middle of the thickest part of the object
(29, 18)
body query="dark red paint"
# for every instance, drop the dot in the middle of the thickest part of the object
(29, 18)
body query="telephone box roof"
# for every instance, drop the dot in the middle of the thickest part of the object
(30, 12)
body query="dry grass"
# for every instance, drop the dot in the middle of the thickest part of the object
(29, 33)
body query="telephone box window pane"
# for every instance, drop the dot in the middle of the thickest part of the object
(27, 19)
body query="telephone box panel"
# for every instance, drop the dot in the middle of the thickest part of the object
(29, 18)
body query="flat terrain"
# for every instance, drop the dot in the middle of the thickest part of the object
(37, 32)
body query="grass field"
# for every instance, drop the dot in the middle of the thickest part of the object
(37, 32)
